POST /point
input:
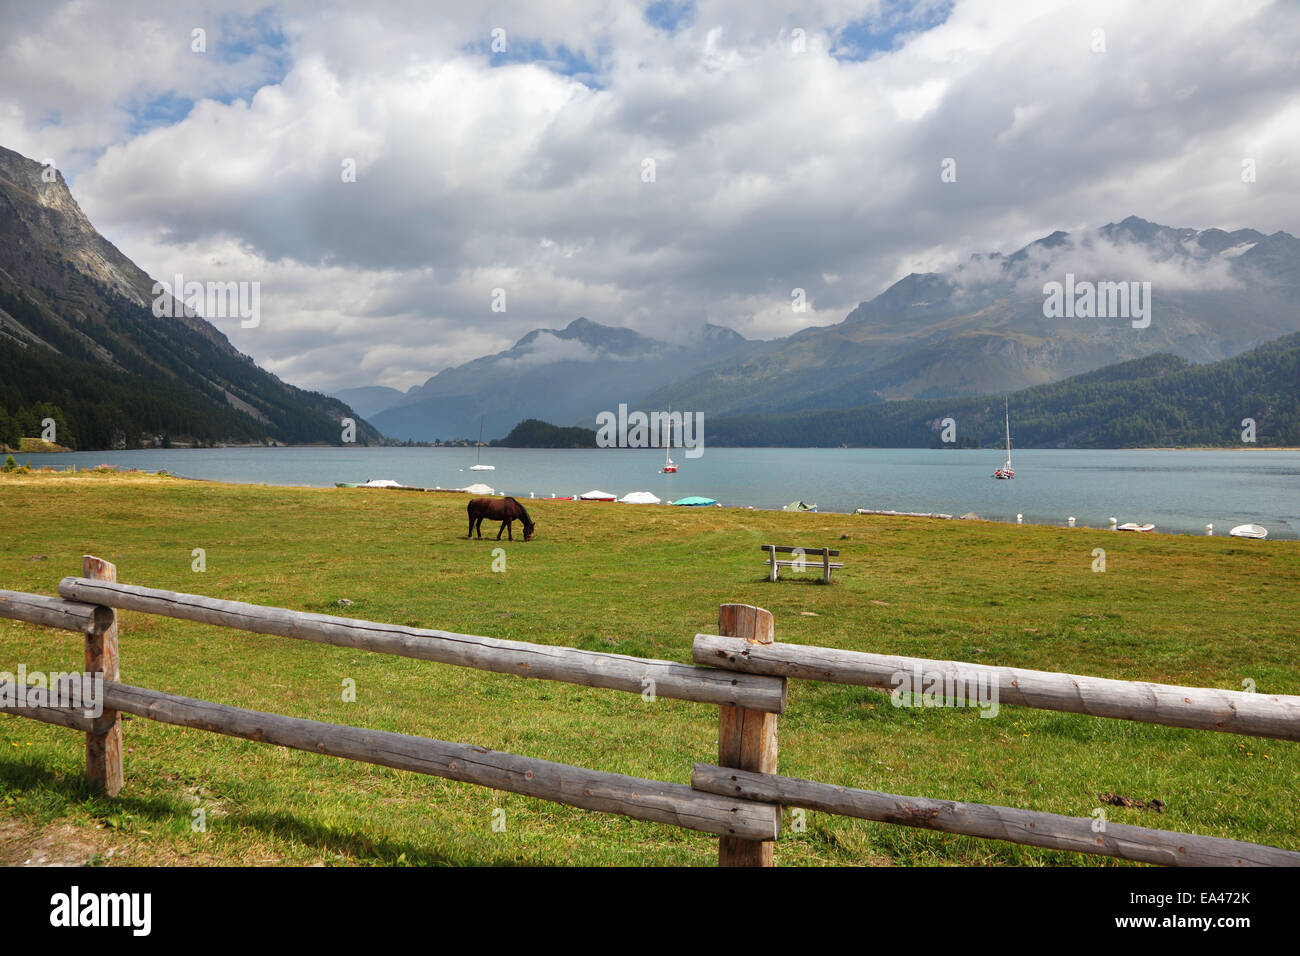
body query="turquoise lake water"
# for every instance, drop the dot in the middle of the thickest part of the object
(1178, 491)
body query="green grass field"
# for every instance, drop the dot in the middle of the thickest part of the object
(631, 580)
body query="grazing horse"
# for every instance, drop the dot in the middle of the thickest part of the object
(505, 510)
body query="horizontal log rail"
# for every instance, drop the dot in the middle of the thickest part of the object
(671, 803)
(55, 612)
(1200, 708)
(1029, 827)
(737, 673)
(64, 717)
(568, 664)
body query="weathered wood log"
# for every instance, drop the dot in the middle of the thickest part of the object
(746, 738)
(1202, 708)
(55, 612)
(1030, 827)
(672, 803)
(104, 746)
(587, 668)
(63, 716)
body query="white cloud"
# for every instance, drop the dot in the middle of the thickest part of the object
(773, 170)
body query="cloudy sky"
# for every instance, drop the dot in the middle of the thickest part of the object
(649, 165)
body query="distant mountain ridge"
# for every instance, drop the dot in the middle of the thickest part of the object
(977, 329)
(79, 343)
(559, 375)
(1156, 401)
(981, 328)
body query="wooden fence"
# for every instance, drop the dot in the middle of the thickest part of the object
(741, 670)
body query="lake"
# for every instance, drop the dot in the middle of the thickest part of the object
(1178, 491)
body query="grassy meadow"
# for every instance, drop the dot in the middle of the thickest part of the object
(631, 580)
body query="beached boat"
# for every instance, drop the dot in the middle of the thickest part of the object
(1249, 531)
(1130, 526)
(1005, 471)
(598, 496)
(694, 501)
(639, 498)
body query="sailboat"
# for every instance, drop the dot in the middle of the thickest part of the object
(670, 467)
(1005, 471)
(479, 452)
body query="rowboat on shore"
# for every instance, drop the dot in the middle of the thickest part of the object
(1130, 526)
(1249, 531)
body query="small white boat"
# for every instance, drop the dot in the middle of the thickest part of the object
(640, 498)
(1249, 531)
(1130, 526)
(598, 496)
(380, 483)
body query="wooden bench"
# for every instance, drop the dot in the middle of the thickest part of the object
(820, 557)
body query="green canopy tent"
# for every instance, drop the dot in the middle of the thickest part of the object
(694, 500)
(799, 506)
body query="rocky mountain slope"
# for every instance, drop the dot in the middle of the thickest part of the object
(80, 343)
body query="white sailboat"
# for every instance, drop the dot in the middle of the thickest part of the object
(1006, 471)
(477, 466)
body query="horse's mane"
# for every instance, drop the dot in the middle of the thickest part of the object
(527, 519)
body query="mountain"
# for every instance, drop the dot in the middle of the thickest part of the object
(79, 343)
(1159, 400)
(982, 328)
(561, 375)
(538, 434)
(369, 400)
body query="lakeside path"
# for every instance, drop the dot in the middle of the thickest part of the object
(639, 581)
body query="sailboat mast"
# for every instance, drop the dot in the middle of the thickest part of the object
(1008, 414)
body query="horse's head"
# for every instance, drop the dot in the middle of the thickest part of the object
(528, 529)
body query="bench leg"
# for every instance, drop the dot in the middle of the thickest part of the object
(772, 574)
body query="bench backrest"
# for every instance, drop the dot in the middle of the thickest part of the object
(831, 552)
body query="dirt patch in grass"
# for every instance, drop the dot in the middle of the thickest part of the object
(61, 845)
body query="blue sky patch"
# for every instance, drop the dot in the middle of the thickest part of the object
(862, 39)
(668, 15)
(559, 59)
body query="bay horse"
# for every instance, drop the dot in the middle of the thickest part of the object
(505, 510)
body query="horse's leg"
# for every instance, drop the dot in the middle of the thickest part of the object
(510, 528)
(470, 533)
(502, 528)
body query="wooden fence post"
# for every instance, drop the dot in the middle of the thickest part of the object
(103, 750)
(746, 738)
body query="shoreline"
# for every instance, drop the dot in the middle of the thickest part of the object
(110, 451)
(49, 471)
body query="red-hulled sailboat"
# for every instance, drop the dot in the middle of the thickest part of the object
(1006, 471)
